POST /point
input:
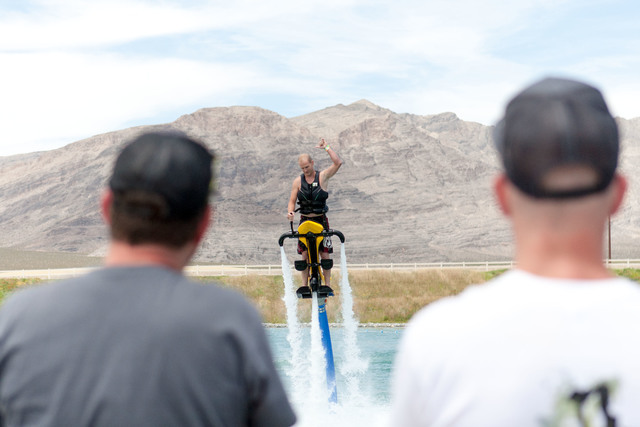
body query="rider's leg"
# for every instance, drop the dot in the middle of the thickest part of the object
(305, 272)
(326, 272)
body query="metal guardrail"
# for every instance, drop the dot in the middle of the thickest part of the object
(622, 263)
(276, 269)
(47, 274)
(472, 265)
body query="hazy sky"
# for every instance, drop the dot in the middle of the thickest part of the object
(71, 69)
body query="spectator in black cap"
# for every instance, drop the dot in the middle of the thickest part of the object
(553, 341)
(136, 343)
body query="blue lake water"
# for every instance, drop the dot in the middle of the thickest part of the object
(363, 359)
(366, 403)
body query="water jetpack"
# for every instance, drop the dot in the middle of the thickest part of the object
(311, 234)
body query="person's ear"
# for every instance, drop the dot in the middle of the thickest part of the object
(500, 190)
(205, 222)
(105, 205)
(620, 188)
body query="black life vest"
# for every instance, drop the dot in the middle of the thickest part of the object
(311, 197)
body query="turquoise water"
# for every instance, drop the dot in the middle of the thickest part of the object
(363, 359)
(366, 403)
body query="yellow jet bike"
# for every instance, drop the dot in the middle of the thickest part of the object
(311, 234)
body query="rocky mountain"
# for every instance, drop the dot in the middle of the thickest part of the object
(412, 188)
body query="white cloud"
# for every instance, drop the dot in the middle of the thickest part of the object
(74, 96)
(78, 68)
(75, 24)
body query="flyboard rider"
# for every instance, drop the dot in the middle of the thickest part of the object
(310, 192)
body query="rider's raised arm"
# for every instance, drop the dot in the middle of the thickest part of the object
(326, 174)
(292, 199)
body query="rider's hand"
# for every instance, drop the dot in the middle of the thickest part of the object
(290, 216)
(322, 143)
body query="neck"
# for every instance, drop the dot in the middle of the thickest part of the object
(552, 255)
(123, 254)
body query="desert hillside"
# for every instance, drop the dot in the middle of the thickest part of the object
(412, 188)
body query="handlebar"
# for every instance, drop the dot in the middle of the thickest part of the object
(294, 235)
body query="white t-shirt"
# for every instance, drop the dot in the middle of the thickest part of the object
(512, 352)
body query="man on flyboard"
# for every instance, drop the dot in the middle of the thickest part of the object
(310, 192)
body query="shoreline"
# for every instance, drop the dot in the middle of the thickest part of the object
(334, 325)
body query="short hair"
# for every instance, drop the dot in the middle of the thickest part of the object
(138, 218)
(304, 156)
(161, 184)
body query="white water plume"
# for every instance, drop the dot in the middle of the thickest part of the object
(307, 371)
(318, 372)
(299, 363)
(353, 366)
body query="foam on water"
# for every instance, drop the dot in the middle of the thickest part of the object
(299, 363)
(317, 374)
(307, 374)
(353, 366)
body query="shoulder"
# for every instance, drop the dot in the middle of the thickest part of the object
(21, 298)
(215, 289)
(324, 175)
(35, 302)
(199, 304)
(224, 313)
(450, 322)
(34, 293)
(515, 294)
(215, 301)
(475, 302)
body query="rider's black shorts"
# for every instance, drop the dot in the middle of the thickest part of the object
(320, 219)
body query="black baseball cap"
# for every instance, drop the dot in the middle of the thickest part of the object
(552, 123)
(168, 164)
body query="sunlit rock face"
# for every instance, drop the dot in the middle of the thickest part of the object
(412, 188)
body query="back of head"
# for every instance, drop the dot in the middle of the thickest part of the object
(161, 184)
(555, 127)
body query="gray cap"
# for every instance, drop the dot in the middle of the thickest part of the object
(552, 123)
(170, 165)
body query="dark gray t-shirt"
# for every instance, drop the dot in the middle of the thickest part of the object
(136, 346)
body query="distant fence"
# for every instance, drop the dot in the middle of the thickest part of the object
(274, 270)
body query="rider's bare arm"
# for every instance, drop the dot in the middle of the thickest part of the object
(326, 174)
(292, 200)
